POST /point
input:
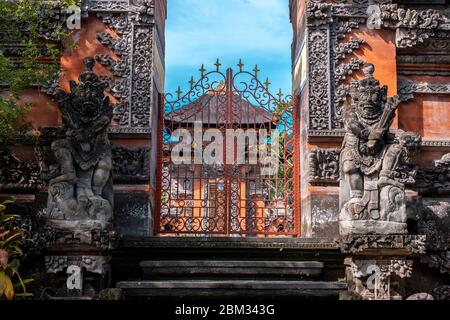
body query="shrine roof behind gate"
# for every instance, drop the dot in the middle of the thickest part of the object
(210, 107)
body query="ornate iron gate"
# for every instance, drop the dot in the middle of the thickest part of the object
(237, 185)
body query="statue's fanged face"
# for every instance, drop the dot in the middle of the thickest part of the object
(88, 100)
(370, 105)
(368, 97)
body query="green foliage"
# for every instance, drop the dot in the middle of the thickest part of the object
(11, 240)
(12, 122)
(66, 3)
(30, 25)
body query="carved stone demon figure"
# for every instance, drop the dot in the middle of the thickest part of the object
(81, 195)
(372, 198)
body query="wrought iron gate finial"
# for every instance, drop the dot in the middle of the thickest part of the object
(256, 71)
(179, 92)
(192, 82)
(240, 65)
(202, 71)
(267, 84)
(280, 94)
(217, 64)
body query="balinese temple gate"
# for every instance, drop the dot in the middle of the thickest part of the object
(339, 189)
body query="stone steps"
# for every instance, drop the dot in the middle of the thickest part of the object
(234, 268)
(191, 267)
(231, 288)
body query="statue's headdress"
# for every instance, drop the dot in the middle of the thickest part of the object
(89, 96)
(368, 98)
(365, 88)
(88, 80)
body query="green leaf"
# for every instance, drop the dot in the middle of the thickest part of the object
(13, 237)
(23, 283)
(15, 251)
(9, 201)
(2, 283)
(9, 290)
(14, 265)
(6, 217)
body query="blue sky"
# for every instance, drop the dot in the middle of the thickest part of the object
(200, 31)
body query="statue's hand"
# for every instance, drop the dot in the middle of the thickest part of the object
(365, 133)
(372, 146)
(376, 134)
(393, 102)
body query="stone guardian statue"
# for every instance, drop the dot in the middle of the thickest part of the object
(372, 198)
(80, 198)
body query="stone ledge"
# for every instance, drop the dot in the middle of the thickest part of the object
(362, 227)
(394, 244)
(228, 242)
(231, 288)
(233, 268)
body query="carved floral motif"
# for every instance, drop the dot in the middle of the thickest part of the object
(413, 26)
(94, 264)
(131, 164)
(414, 244)
(132, 83)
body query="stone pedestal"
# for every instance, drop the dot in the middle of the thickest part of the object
(377, 265)
(79, 276)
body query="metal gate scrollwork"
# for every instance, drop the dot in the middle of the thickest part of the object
(249, 184)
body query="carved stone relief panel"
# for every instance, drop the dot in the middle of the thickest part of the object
(131, 165)
(132, 84)
(328, 48)
(323, 166)
(408, 88)
(328, 25)
(372, 279)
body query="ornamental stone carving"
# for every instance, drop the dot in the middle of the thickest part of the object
(442, 293)
(132, 81)
(408, 88)
(323, 166)
(371, 279)
(16, 174)
(354, 244)
(435, 179)
(131, 165)
(331, 49)
(413, 26)
(80, 197)
(94, 264)
(372, 198)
